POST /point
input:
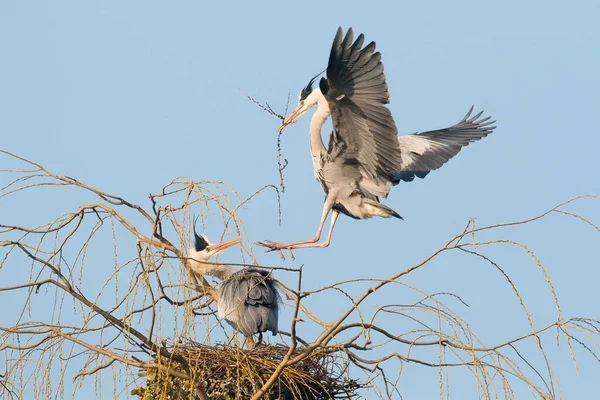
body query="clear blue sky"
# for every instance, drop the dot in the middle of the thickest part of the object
(125, 96)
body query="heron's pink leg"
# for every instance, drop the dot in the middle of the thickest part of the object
(273, 246)
(324, 243)
(304, 245)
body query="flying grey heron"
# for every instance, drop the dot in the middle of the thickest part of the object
(366, 157)
(247, 299)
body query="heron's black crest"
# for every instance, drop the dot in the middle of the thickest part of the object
(309, 88)
(324, 86)
(199, 242)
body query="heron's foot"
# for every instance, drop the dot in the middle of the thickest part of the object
(278, 247)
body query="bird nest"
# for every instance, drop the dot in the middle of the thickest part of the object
(227, 372)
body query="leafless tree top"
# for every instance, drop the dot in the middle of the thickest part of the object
(104, 290)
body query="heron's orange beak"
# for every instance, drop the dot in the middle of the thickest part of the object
(224, 245)
(291, 118)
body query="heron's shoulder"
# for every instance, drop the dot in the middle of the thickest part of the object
(251, 273)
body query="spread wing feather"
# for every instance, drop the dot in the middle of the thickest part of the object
(364, 134)
(427, 151)
(357, 93)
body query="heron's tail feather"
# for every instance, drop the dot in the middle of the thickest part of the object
(380, 210)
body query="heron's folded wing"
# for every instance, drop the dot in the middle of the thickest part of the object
(424, 152)
(250, 300)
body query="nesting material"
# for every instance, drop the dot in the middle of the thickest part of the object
(227, 372)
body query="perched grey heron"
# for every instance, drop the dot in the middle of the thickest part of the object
(247, 299)
(366, 157)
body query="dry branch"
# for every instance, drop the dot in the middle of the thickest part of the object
(228, 372)
(138, 307)
(266, 107)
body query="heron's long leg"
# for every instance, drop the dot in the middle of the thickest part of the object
(304, 245)
(278, 246)
(325, 243)
(316, 238)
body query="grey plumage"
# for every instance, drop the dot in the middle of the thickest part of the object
(356, 92)
(424, 152)
(249, 301)
(365, 156)
(364, 133)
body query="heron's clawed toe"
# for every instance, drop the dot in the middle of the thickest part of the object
(291, 253)
(278, 247)
(280, 253)
(270, 245)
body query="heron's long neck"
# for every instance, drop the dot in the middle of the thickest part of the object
(317, 148)
(217, 270)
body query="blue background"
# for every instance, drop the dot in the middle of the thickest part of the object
(125, 96)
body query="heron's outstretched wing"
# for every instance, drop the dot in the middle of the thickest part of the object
(363, 128)
(249, 300)
(426, 151)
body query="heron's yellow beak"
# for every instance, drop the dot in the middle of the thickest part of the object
(224, 245)
(293, 116)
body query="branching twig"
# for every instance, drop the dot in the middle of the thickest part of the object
(156, 296)
(280, 164)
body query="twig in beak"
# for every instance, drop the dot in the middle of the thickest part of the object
(280, 164)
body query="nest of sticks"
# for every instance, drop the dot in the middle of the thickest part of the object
(227, 372)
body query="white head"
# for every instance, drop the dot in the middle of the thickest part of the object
(203, 251)
(308, 98)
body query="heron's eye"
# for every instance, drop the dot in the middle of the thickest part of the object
(301, 103)
(207, 249)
